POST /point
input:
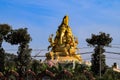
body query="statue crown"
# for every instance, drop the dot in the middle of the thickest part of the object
(65, 20)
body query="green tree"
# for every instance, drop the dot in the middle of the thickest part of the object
(4, 30)
(98, 58)
(22, 38)
(36, 66)
(111, 75)
(10, 62)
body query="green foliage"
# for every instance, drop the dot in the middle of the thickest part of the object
(59, 68)
(111, 75)
(2, 60)
(10, 57)
(79, 76)
(4, 29)
(10, 60)
(102, 39)
(36, 66)
(18, 36)
(15, 37)
(98, 58)
(96, 61)
(24, 56)
(81, 67)
(10, 65)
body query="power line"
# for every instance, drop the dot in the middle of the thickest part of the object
(113, 47)
(40, 52)
(112, 52)
(84, 47)
(39, 56)
(85, 53)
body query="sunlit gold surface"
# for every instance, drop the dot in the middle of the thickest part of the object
(64, 44)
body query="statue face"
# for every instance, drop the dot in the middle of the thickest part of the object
(62, 31)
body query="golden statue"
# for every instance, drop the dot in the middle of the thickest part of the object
(65, 20)
(64, 45)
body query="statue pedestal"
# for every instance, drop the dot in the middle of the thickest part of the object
(64, 58)
(75, 58)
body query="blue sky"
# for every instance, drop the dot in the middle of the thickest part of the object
(42, 18)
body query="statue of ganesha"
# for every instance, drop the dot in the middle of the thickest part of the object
(64, 43)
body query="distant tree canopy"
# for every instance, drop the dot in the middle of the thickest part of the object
(19, 37)
(98, 58)
(4, 30)
(101, 39)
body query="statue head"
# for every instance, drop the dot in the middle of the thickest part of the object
(65, 20)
